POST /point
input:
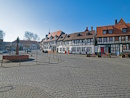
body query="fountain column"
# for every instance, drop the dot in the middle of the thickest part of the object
(17, 48)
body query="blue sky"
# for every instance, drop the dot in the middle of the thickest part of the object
(37, 16)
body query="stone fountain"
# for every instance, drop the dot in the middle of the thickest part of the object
(16, 57)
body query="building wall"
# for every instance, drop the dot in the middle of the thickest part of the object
(77, 46)
(116, 46)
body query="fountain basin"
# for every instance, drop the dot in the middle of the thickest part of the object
(16, 58)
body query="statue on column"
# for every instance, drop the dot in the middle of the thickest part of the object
(17, 48)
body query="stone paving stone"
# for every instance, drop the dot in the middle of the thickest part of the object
(72, 76)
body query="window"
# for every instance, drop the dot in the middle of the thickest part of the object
(124, 47)
(79, 34)
(126, 38)
(88, 49)
(91, 40)
(117, 38)
(55, 36)
(78, 41)
(110, 39)
(105, 39)
(74, 49)
(129, 46)
(52, 42)
(83, 48)
(51, 38)
(88, 34)
(110, 31)
(124, 30)
(104, 31)
(129, 37)
(67, 42)
(88, 40)
(100, 40)
(78, 48)
(60, 49)
(122, 38)
(60, 43)
(83, 41)
(63, 49)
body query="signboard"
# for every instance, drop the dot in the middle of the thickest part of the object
(126, 50)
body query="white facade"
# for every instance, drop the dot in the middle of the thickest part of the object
(82, 47)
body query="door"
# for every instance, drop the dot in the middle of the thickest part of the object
(109, 50)
(57, 50)
(102, 50)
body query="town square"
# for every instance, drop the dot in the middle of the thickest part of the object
(64, 49)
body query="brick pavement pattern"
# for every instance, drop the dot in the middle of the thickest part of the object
(69, 76)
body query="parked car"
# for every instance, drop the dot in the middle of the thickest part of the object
(45, 51)
(29, 50)
(4, 51)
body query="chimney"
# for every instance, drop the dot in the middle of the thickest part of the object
(115, 21)
(86, 29)
(92, 28)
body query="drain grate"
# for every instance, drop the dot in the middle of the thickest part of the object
(6, 88)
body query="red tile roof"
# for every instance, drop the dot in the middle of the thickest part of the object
(117, 29)
(58, 33)
(53, 34)
(83, 35)
(62, 37)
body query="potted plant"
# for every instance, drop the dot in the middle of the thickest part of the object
(128, 55)
(99, 54)
(88, 55)
(122, 55)
(109, 55)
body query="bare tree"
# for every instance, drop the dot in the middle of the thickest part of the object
(35, 37)
(31, 36)
(28, 35)
(2, 34)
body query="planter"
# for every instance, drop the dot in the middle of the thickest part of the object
(99, 55)
(88, 55)
(109, 56)
(16, 57)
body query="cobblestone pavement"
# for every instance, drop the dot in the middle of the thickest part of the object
(66, 76)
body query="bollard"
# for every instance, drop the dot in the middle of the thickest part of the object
(49, 60)
(19, 60)
(60, 57)
(2, 62)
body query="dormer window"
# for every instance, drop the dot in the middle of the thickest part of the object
(110, 31)
(68, 35)
(47, 38)
(61, 37)
(79, 34)
(124, 30)
(55, 36)
(88, 34)
(50, 37)
(104, 31)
